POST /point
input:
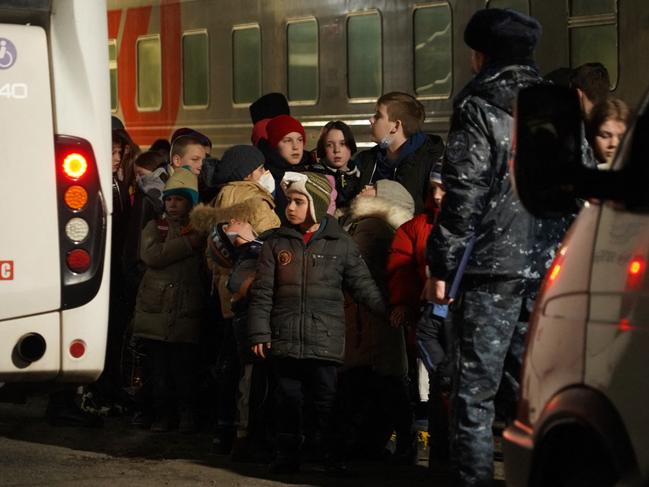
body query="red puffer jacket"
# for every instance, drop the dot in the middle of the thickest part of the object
(407, 260)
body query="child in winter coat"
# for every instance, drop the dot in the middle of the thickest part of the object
(407, 274)
(244, 195)
(335, 149)
(296, 314)
(237, 246)
(373, 217)
(169, 304)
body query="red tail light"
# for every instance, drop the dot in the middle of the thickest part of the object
(82, 220)
(78, 261)
(635, 273)
(75, 166)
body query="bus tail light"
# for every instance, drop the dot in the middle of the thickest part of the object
(75, 165)
(78, 261)
(82, 220)
(75, 197)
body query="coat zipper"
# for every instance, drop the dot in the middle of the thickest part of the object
(305, 265)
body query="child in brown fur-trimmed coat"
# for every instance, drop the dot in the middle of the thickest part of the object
(245, 196)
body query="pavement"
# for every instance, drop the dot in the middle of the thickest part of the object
(33, 453)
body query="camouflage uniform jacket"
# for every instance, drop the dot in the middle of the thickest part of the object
(480, 200)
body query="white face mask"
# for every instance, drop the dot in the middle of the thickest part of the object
(267, 182)
(385, 142)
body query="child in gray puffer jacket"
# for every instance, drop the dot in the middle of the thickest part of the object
(296, 314)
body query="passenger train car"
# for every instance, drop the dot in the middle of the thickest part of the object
(200, 63)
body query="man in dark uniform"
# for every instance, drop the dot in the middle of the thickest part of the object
(490, 318)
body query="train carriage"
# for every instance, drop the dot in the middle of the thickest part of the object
(200, 63)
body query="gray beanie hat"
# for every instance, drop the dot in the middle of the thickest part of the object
(395, 193)
(237, 163)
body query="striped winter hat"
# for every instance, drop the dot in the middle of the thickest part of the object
(314, 186)
(184, 183)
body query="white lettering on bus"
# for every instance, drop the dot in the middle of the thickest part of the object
(17, 91)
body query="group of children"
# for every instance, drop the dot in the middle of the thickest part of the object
(317, 282)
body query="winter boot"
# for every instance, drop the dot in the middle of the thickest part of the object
(187, 423)
(223, 439)
(287, 454)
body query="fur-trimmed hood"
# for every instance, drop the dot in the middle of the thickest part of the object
(377, 207)
(255, 211)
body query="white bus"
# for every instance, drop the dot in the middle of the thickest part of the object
(55, 188)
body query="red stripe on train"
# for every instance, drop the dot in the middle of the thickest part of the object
(136, 25)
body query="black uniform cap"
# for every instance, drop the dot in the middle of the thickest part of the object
(503, 34)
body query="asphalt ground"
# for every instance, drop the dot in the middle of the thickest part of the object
(33, 453)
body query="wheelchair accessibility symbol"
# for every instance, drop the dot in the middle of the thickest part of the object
(7, 53)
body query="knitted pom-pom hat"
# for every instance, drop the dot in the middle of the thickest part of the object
(312, 185)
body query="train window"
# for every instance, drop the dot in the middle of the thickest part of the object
(302, 47)
(112, 67)
(594, 39)
(149, 73)
(364, 56)
(519, 5)
(591, 7)
(195, 69)
(433, 56)
(246, 63)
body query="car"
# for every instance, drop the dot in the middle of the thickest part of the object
(583, 414)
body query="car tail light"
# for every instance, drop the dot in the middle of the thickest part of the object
(555, 268)
(82, 220)
(635, 273)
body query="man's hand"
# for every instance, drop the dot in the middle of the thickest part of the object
(259, 349)
(435, 291)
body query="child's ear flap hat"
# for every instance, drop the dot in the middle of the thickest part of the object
(184, 183)
(314, 186)
(220, 247)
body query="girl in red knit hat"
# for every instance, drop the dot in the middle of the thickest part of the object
(285, 152)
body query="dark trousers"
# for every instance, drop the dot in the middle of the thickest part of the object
(227, 376)
(298, 381)
(434, 338)
(174, 375)
(491, 328)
